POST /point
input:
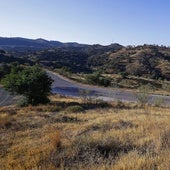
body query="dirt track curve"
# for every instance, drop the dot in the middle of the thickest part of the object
(64, 86)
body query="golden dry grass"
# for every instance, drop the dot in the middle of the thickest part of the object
(118, 137)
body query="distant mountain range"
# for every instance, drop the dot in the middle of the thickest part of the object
(34, 44)
(22, 44)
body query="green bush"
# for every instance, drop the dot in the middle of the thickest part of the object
(74, 109)
(142, 98)
(97, 79)
(143, 95)
(55, 108)
(101, 103)
(23, 102)
(31, 82)
(159, 101)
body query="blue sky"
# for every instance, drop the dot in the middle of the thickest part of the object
(128, 22)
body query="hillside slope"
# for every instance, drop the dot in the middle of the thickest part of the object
(149, 61)
(146, 61)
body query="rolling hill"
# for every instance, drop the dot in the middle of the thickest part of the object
(150, 61)
(147, 61)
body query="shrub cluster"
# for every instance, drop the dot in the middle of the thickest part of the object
(97, 79)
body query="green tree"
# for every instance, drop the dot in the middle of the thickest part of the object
(31, 82)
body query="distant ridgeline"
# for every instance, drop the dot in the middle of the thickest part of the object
(149, 61)
(18, 43)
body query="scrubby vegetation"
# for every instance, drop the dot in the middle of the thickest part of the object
(71, 134)
(31, 82)
(85, 133)
(7, 57)
(123, 67)
(97, 79)
(148, 61)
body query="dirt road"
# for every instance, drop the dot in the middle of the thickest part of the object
(64, 86)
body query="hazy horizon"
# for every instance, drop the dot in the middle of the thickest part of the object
(86, 43)
(127, 22)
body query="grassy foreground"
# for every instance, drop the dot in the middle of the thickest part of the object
(78, 134)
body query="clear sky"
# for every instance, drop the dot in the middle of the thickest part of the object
(128, 22)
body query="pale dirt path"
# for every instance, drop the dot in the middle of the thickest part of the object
(65, 86)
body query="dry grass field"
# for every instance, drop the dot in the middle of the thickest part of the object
(78, 134)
